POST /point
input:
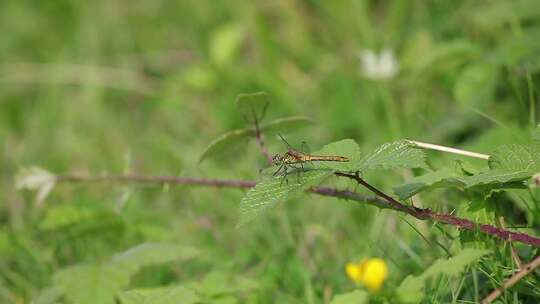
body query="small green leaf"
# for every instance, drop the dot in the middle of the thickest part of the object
(252, 106)
(411, 290)
(455, 265)
(225, 43)
(152, 253)
(394, 155)
(225, 141)
(167, 295)
(286, 124)
(274, 189)
(356, 297)
(89, 284)
(441, 178)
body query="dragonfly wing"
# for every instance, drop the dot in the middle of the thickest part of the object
(305, 148)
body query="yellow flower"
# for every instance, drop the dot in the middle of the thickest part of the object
(371, 273)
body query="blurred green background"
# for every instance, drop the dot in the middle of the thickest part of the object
(93, 87)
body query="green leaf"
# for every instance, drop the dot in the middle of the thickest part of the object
(152, 253)
(347, 148)
(411, 290)
(516, 157)
(66, 215)
(356, 297)
(89, 284)
(225, 141)
(394, 155)
(100, 283)
(274, 189)
(225, 43)
(252, 106)
(495, 178)
(167, 295)
(219, 283)
(440, 178)
(475, 85)
(286, 124)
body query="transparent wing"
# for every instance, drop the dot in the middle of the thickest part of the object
(305, 148)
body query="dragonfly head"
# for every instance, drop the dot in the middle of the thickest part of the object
(277, 159)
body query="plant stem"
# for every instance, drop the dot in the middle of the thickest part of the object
(260, 141)
(449, 150)
(525, 270)
(532, 101)
(428, 214)
(191, 181)
(381, 200)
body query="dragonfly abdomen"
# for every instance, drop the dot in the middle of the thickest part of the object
(326, 158)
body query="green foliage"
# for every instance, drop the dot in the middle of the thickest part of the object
(475, 86)
(101, 283)
(500, 12)
(411, 290)
(217, 284)
(166, 295)
(516, 157)
(357, 296)
(286, 124)
(145, 89)
(215, 287)
(440, 178)
(224, 141)
(253, 108)
(509, 166)
(225, 43)
(92, 283)
(395, 155)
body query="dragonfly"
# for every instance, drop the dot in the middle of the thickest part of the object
(296, 159)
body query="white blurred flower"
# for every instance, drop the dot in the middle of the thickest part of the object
(379, 66)
(37, 179)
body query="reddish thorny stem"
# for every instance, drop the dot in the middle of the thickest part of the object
(380, 200)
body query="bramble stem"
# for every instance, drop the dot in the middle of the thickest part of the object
(525, 270)
(428, 214)
(260, 141)
(381, 200)
(190, 181)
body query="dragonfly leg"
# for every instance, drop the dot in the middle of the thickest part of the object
(278, 169)
(298, 175)
(284, 176)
